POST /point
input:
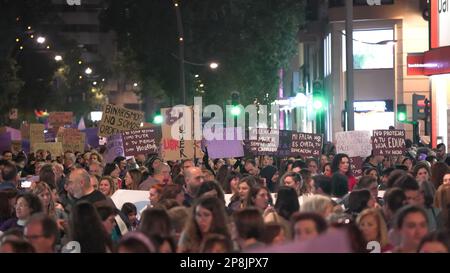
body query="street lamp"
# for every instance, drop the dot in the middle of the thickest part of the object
(40, 40)
(213, 65)
(88, 71)
(58, 58)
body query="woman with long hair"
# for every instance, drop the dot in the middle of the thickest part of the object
(341, 164)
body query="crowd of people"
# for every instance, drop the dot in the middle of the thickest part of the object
(223, 205)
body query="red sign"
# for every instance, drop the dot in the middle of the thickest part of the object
(415, 64)
(437, 61)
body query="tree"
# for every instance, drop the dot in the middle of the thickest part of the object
(251, 39)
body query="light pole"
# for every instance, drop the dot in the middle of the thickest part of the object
(181, 50)
(349, 64)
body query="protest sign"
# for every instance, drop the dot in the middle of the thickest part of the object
(356, 164)
(5, 142)
(306, 145)
(114, 147)
(354, 143)
(141, 141)
(116, 119)
(59, 119)
(263, 141)
(72, 139)
(37, 133)
(388, 142)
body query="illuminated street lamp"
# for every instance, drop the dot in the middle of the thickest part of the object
(88, 71)
(58, 58)
(213, 65)
(40, 40)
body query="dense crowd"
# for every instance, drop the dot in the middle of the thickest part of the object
(223, 205)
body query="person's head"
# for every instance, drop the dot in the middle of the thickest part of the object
(323, 160)
(155, 221)
(15, 245)
(178, 217)
(408, 162)
(130, 210)
(446, 179)
(370, 183)
(7, 155)
(359, 200)
(194, 178)
(211, 188)
(299, 165)
(154, 194)
(69, 159)
(410, 187)
(9, 172)
(421, 172)
(107, 215)
(438, 172)
(249, 224)
(107, 186)
(47, 175)
(385, 176)
(173, 191)
(339, 185)
(322, 184)
(244, 187)
(341, 164)
(307, 225)
(86, 227)
(274, 233)
(372, 172)
(164, 244)
(132, 179)
(41, 231)
(412, 225)
(442, 201)
(326, 169)
(426, 193)
(121, 162)
(293, 180)
(95, 168)
(250, 165)
(231, 184)
(435, 242)
(136, 242)
(43, 191)
(394, 199)
(79, 183)
(186, 164)
(162, 173)
(216, 243)
(259, 197)
(320, 204)
(7, 203)
(313, 165)
(27, 204)
(111, 169)
(287, 202)
(373, 226)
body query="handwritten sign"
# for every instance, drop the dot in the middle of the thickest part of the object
(55, 148)
(306, 145)
(116, 119)
(142, 141)
(356, 164)
(263, 141)
(37, 133)
(72, 139)
(354, 143)
(59, 119)
(388, 142)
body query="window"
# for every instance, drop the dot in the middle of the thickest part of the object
(372, 49)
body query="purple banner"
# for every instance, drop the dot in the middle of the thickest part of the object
(141, 141)
(92, 138)
(5, 142)
(225, 148)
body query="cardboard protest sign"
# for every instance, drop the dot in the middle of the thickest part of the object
(179, 121)
(263, 141)
(114, 148)
(356, 164)
(306, 145)
(5, 142)
(59, 119)
(116, 119)
(37, 133)
(354, 143)
(388, 142)
(72, 139)
(55, 148)
(225, 148)
(141, 141)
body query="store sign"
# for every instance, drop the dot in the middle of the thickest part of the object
(440, 23)
(433, 62)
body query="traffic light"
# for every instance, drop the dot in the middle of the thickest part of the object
(235, 101)
(419, 107)
(401, 112)
(318, 97)
(158, 118)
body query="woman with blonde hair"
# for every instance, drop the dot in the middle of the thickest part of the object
(107, 186)
(320, 204)
(373, 227)
(50, 207)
